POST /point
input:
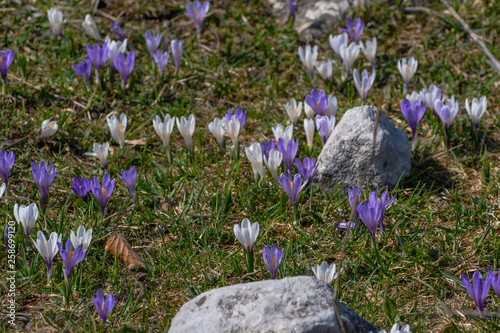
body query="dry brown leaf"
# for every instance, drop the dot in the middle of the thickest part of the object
(118, 245)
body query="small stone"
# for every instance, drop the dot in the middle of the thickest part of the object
(300, 304)
(348, 151)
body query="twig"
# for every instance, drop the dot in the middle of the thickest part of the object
(15, 143)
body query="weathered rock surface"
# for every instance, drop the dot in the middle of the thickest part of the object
(296, 304)
(347, 153)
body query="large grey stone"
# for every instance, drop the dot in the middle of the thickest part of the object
(295, 304)
(347, 153)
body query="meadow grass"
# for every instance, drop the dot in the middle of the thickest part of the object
(444, 222)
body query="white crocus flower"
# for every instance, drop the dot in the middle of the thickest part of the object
(48, 248)
(164, 130)
(56, 20)
(364, 84)
(26, 216)
(413, 97)
(430, 97)
(308, 110)
(370, 51)
(254, 154)
(117, 128)
(407, 68)
(247, 234)
(395, 329)
(91, 28)
(115, 47)
(48, 128)
(81, 237)
(326, 273)
(325, 69)
(232, 128)
(186, 127)
(101, 152)
(285, 134)
(331, 109)
(349, 53)
(309, 57)
(2, 189)
(309, 129)
(476, 110)
(216, 127)
(294, 111)
(336, 42)
(273, 162)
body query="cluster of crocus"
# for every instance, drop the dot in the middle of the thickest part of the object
(44, 176)
(372, 211)
(247, 235)
(479, 289)
(81, 187)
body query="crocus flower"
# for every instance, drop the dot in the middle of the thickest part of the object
(407, 68)
(495, 281)
(160, 59)
(292, 7)
(413, 115)
(346, 225)
(354, 28)
(102, 306)
(309, 57)
(354, 195)
(280, 133)
(197, 12)
(430, 97)
(254, 154)
(56, 20)
(247, 234)
(325, 126)
(370, 215)
(84, 70)
(309, 129)
(43, 177)
(349, 53)
(82, 237)
(48, 128)
(308, 110)
(102, 193)
(413, 97)
(47, 248)
(233, 125)
(101, 152)
(153, 42)
(318, 101)
(186, 127)
(479, 289)
(272, 258)
(164, 130)
(90, 28)
(176, 45)
(291, 186)
(326, 273)
(129, 178)
(294, 110)
(117, 128)
(364, 84)
(118, 31)
(239, 114)
(288, 150)
(447, 112)
(370, 51)
(5, 62)
(70, 257)
(115, 48)
(124, 66)
(331, 109)
(98, 56)
(266, 148)
(395, 329)
(216, 127)
(305, 168)
(26, 216)
(476, 110)
(383, 202)
(81, 187)
(336, 42)
(6, 164)
(325, 69)
(273, 161)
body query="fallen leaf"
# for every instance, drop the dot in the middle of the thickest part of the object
(118, 245)
(141, 142)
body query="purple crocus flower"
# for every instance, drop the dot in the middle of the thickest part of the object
(305, 169)
(479, 289)
(70, 257)
(43, 177)
(197, 12)
(160, 59)
(124, 66)
(318, 101)
(130, 178)
(6, 164)
(84, 70)
(495, 281)
(176, 45)
(383, 202)
(81, 187)
(370, 215)
(153, 42)
(239, 114)
(292, 187)
(98, 55)
(288, 151)
(118, 31)
(103, 193)
(102, 306)
(5, 62)
(345, 225)
(354, 28)
(272, 257)
(292, 7)
(413, 115)
(354, 195)
(447, 112)
(266, 148)
(325, 126)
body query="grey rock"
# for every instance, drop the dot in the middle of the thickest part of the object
(295, 304)
(347, 153)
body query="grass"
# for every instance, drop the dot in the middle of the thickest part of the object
(443, 224)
